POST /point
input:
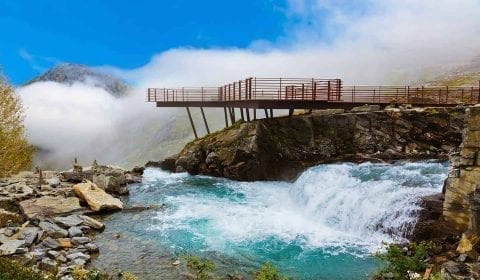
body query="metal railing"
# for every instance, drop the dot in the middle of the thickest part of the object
(330, 90)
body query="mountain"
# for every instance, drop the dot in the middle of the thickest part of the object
(69, 73)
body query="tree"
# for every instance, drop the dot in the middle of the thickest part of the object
(15, 152)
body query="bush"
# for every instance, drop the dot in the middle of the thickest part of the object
(15, 152)
(200, 267)
(14, 270)
(268, 272)
(399, 262)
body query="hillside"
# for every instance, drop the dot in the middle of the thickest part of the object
(69, 73)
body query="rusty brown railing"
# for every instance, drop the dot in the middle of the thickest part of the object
(328, 90)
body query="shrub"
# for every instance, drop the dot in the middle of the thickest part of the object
(14, 270)
(200, 267)
(15, 152)
(399, 262)
(268, 272)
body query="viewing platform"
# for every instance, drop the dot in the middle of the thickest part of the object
(307, 94)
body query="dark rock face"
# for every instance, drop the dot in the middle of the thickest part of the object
(281, 148)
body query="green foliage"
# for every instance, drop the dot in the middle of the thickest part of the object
(399, 262)
(200, 267)
(83, 274)
(15, 152)
(14, 270)
(268, 272)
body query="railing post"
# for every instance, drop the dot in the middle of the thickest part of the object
(423, 100)
(408, 94)
(313, 89)
(202, 95)
(303, 91)
(446, 96)
(328, 91)
(286, 97)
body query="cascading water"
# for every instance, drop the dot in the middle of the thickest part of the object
(325, 225)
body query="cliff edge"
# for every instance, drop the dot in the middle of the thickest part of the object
(281, 148)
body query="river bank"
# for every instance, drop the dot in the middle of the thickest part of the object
(49, 219)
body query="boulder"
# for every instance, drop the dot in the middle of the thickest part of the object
(49, 205)
(96, 198)
(30, 235)
(68, 221)
(10, 247)
(53, 230)
(366, 108)
(113, 182)
(53, 182)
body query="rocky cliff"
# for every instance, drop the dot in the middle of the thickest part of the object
(463, 184)
(280, 148)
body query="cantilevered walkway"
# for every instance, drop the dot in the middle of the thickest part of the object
(304, 93)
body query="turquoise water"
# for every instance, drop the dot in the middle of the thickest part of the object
(325, 225)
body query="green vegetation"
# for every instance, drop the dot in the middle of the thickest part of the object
(268, 272)
(15, 152)
(14, 270)
(399, 261)
(95, 274)
(200, 267)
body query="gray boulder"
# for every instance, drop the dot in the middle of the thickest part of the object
(53, 230)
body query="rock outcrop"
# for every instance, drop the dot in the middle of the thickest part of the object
(96, 198)
(464, 177)
(281, 148)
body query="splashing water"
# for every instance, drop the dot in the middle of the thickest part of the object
(324, 225)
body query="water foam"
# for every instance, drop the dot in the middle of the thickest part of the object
(338, 208)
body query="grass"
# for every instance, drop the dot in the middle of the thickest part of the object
(15, 270)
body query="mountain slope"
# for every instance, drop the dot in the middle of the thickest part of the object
(69, 73)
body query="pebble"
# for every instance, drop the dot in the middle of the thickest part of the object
(80, 240)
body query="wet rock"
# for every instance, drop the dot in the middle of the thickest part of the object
(96, 198)
(75, 232)
(91, 247)
(132, 179)
(49, 205)
(115, 183)
(138, 170)
(69, 221)
(53, 230)
(91, 222)
(80, 240)
(10, 247)
(78, 255)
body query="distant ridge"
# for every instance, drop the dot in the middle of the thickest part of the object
(69, 73)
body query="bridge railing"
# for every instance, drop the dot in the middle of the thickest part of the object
(410, 95)
(328, 90)
(253, 89)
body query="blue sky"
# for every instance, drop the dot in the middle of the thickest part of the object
(38, 34)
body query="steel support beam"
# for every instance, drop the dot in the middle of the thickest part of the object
(191, 122)
(204, 120)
